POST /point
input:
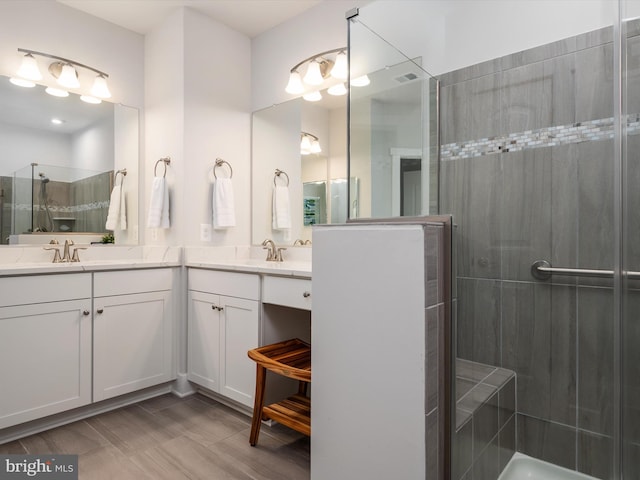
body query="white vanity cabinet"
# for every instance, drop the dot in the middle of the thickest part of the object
(133, 331)
(223, 324)
(45, 345)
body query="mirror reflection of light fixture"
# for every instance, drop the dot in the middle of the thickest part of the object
(361, 81)
(338, 89)
(312, 96)
(309, 143)
(64, 70)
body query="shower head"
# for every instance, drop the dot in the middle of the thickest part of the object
(43, 178)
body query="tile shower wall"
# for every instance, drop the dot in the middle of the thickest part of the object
(85, 200)
(526, 170)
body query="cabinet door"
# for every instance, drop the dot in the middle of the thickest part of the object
(133, 343)
(203, 333)
(239, 334)
(45, 359)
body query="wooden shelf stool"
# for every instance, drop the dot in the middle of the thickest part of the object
(291, 358)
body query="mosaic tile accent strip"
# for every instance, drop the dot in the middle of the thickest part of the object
(591, 131)
(64, 209)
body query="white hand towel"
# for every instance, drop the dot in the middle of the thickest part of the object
(159, 204)
(117, 212)
(281, 215)
(224, 214)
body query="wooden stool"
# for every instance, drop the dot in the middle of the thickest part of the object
(291, 358)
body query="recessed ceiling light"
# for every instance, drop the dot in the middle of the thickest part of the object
(57, 121)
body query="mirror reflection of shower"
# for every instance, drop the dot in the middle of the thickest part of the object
(44, 218)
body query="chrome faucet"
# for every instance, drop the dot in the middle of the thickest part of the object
(56, 250)
(66, 257)
(271, 250)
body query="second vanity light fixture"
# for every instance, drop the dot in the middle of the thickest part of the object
(64, 70)
(309, 143)
(319, 68)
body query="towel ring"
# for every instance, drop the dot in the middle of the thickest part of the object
(219, 163)
(122, 172)
(166, 161)
(277, 174)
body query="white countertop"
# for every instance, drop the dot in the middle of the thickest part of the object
(29, 260)
(297, 260)
(34, 260)
(286, 268)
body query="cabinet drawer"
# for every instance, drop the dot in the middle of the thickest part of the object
(240, 285)
(44, 288)
(290, 292)
(131, 281)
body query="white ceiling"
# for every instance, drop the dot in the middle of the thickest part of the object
(251, 17)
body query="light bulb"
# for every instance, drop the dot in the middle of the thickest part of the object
(56, 92)
(29, 68)
(68, 77)
(312, 96)
(338, 89)
(362, 81)
(294, 86)
(340, 69)
(315, 147)
(22, 82)
(313, 75)
(305, 145)
(90, 99)
(100, 88)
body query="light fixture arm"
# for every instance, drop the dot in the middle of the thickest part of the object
(307, 134)
(317, 55)
(65, 60)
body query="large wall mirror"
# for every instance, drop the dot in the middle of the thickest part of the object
(283, 139)
(60, 156)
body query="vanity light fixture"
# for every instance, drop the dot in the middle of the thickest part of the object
(309, 143)
(361, 81)
(319, 67)
(90, 99)
(64, 70)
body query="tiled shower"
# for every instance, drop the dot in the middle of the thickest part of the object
(527, 169)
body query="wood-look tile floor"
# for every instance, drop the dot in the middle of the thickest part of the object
(173, 439)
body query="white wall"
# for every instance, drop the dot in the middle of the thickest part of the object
(195, 112)
(454, 34)
(93, 147)
(22, 146)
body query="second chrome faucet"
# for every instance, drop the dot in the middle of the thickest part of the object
(274, 254)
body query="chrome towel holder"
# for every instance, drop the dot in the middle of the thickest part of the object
(219, 163)
(166, 161)
(122, 172)
(277, 175)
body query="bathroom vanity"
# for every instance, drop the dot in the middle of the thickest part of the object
(80, 338)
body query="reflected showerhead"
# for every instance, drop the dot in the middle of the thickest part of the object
(43, 178)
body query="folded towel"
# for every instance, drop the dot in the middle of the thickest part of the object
(281, 214)
(159, 204)
(224, 214)
(116, 216)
